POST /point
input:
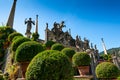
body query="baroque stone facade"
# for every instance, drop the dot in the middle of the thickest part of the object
(58, 35)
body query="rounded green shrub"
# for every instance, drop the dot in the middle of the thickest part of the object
(16, 37)
(57, 46)
(118, 78)
(17, 42)
(50, 65)
(81, 59)
(12, 35)
(27, 50)
(106, 70)
(49, 43)
(35, 36)
(69, 52)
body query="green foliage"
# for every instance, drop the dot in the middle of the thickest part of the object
(49, 43)
(57, 46)
(81, 59)
(69, 52)
(4, 32)
(27, 50)
(112, 50)
(1, 52)
(44, 46)
(107, 70)
(16, 37)
(17, 42)
(106, 57)
(7, 30)
(1, 75)
(12, 35)
(35, 36)
(50, 65)
(118, 78)
(1, 42)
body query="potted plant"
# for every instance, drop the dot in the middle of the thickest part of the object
(50, 65)
(25, 52)
(49, 44)
(82, 61)
(105, 58)
(68, 52)
(57, 46)
(107, 71)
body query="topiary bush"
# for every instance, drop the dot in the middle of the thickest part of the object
(35, 36)
(57, 46)
(5, 31)
(17, 42)
(16, 37)
(27, 50)
(12, 35)
(49, 65)
(69, 52)
(106, 70)
(81, 59)
(49, 44)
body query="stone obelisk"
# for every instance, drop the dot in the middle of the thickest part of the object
(36, 30)
(104, 47)
(11, 16)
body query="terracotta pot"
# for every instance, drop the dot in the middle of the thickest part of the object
(83, 70)
(24, 66)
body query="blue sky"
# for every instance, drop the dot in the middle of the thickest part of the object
(93, 19)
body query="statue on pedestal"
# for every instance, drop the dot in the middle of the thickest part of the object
(29, 26)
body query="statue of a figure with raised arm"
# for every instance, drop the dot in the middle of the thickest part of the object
(29, 25)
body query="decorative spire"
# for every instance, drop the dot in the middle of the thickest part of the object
(104, 47)
(12, 14)
(36, 31)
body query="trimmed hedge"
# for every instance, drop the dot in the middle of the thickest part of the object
(16, 37)
(12, 35)
(81, 59)
(107, 70)
(57, 46)
(27, 50)
(49, 43)
(35, 36)
(69, 52)
(50, 65)
(17, 42)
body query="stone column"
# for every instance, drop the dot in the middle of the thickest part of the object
(36, 30)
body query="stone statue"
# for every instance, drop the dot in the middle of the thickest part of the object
(29, 25)
(46, 25)
(77, 43)
(92, 45)
(86, 44)
(62, 25)
(95, 47)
